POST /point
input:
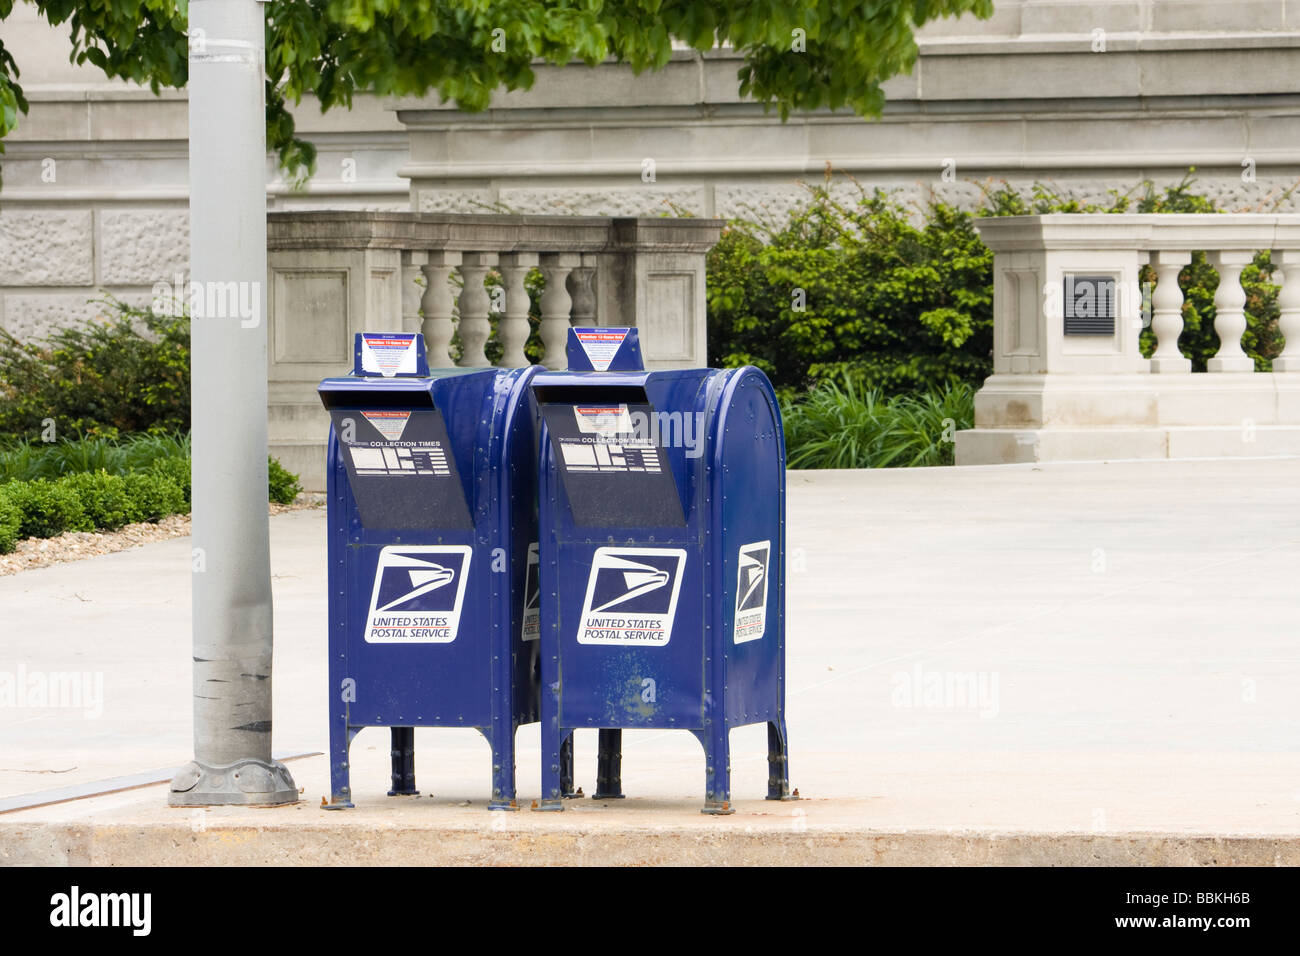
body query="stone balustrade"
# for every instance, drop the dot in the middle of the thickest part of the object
(334, 273)
(1070, 381)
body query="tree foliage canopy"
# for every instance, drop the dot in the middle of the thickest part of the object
(797, 56)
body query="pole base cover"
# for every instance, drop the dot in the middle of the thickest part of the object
(245, 783)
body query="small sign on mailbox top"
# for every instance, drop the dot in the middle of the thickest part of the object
(389, 354)
(604, 349)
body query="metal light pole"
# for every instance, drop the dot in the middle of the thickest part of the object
(231, 561)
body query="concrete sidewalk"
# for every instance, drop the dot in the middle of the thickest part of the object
(1128, 629)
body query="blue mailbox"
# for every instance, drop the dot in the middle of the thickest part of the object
(662, 509)
(432, 556)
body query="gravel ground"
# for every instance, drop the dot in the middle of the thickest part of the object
(75, 545)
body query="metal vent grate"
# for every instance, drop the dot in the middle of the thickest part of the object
(1089, 304)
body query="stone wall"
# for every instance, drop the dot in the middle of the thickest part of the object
(1088, 96)
(95, 194)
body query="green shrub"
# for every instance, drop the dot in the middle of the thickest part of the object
(141, 451)
(127, 371)
(178, 471)
(33, 505)
(283, 485)
(27, 460)
(81, 456)
(839, 424)
(103, 498)
(11, 520)
(152, 495)
(48, 508)
(855, 288)
(23, 461)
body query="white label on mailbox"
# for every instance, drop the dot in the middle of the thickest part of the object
(631, 596)
(532, 597)
(414, 458)
(751, 591)
(633, 455)
(388, 355)
(418, 594)
(601, 345)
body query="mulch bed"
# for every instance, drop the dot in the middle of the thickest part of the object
(75, 545)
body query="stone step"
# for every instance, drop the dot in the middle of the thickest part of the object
(996, 446)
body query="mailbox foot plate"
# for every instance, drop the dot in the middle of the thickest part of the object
(718, 809)
(337, 806)
(510, 804)
(608, 796)
(550, 805)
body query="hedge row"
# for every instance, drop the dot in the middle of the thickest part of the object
(100, 501)
(87, 501)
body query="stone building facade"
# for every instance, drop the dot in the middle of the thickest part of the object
(1087, 96)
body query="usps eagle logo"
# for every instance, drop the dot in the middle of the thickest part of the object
(418, 594)
(751, 591)
(632, 596)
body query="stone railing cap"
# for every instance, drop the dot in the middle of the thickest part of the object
(1140, 231)
(489, 232)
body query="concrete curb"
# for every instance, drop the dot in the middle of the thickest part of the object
(43, 844)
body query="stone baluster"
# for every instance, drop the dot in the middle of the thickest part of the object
(513, 329)
(581, 286)
(436, 304)
(1167, 312)
(1288, 304)
(412, 266)
(1229, 309)
(474, 304)
(556, 305)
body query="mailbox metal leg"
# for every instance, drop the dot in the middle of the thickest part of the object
(553, 749)
(502, 741)
(566, 769)
(403, 754)
(778, 761)
(717, 760)
(609, 766)
(340, 777)
(554, 738)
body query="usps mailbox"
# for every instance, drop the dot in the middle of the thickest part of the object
(662, 509)
(432, 554)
